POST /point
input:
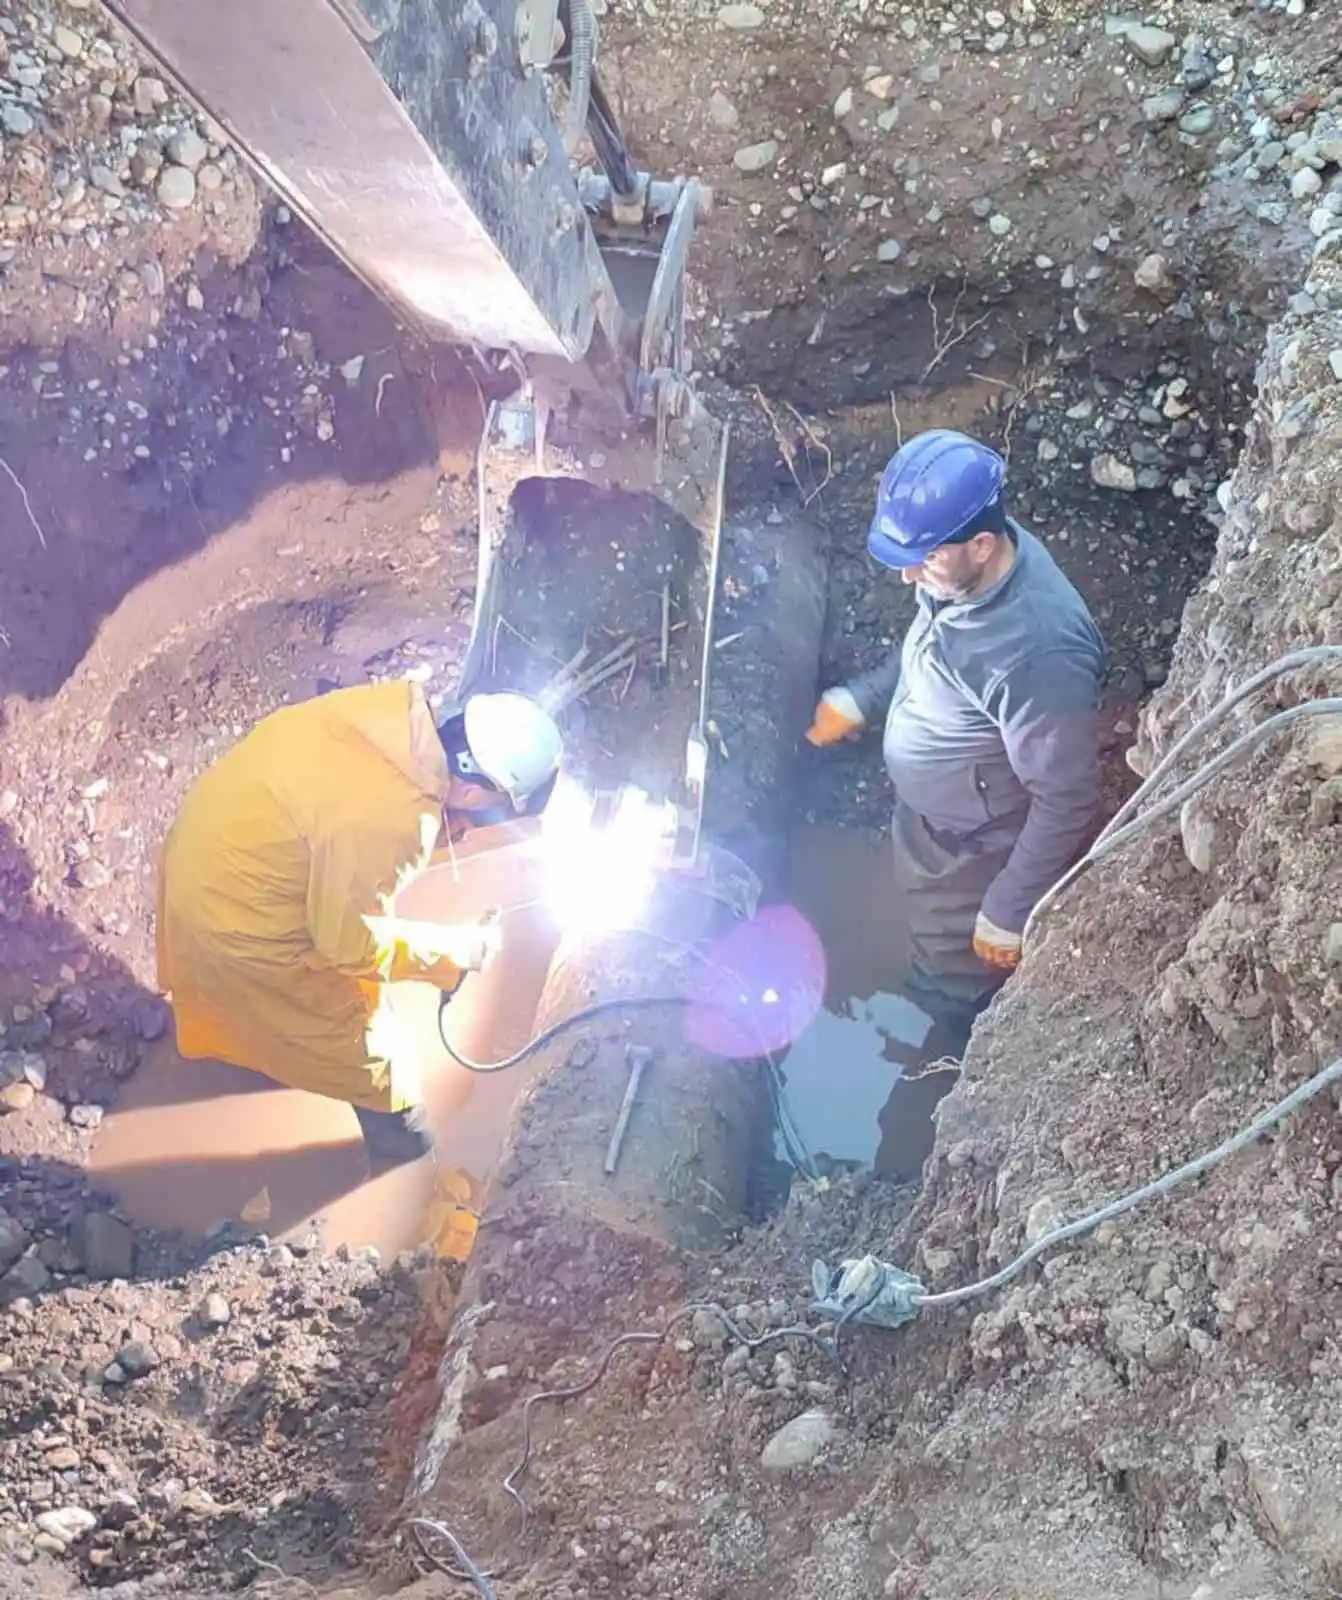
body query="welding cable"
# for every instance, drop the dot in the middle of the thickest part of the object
(598, 1008)
(798, 1153)
(1239, 748)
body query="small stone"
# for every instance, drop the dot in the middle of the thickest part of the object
(105, 1246)
(721, 112)
(1158, 1279)
(148, 94)
(889, 250)
(187, 149)
(1163, 1349)
(843, 106)
(14, 119)
(1335, 362)
(67, 41)
(1108, 472)
(198, 1503)
(137, 1359)
(14, 1240)
(1153, 45)
(1332, 944)
(799, 1442)
(214, 1312)
(92, 874)
(999, 226)
(740, 18)
(1305, 184)
(1153, 274)
(176, 188)
(736, 1361)
(150, 1017)
(62, 1459)
(1199, 835)
(755, 157)
(69, 1524)
(1200, 120)
(1160, 108)
(26, 1278)
(1044, 1216)
(707, 1331)
(210, 178)
(880, 86)
(87, 1117)
(17, 1097)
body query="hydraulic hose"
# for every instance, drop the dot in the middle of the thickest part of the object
(582, 54)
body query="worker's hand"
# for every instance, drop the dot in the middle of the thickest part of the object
(995, 947)
(479, 945)
(836, 717)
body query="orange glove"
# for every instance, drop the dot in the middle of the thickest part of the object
(836, 717)
(995, 947)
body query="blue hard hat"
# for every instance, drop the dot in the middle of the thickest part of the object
(931, 491)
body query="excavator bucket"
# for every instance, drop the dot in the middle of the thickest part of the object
(416, 138)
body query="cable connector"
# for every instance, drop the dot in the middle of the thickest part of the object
(867, 1290)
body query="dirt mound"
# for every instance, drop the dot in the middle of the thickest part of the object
(242, 1412)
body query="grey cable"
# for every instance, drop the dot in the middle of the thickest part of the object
(1274, 669)
(466, 1569)
(1150, 1191)
(1115, 840)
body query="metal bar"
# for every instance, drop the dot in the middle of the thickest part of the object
(639, 1057)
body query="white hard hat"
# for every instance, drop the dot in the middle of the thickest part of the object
(513, 743)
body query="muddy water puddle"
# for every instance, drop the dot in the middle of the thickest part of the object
(192, 1145)
(852, 1077)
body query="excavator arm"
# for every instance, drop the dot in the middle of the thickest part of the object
(416, 138)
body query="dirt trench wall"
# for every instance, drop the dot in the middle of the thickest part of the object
(1163, 1399)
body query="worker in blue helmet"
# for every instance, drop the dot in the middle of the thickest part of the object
(990, 716)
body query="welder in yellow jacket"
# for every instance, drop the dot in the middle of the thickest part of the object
(273, 942)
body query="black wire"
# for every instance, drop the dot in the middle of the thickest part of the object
(630, 1002)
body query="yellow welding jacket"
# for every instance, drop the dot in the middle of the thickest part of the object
(280, 851)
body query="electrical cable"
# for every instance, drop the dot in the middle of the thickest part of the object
(1299, 658)
(1260, 1125)
(465, 1569)
(1116, 839)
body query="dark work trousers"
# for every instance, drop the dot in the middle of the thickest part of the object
(940, 882)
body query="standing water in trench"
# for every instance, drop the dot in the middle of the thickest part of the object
(852, 1076)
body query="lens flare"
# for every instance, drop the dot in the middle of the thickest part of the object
(761, 987)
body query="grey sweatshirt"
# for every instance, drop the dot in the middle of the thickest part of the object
(991, 729)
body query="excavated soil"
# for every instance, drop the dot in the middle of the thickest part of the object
(222, 492)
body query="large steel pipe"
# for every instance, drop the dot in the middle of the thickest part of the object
(560, 1228)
